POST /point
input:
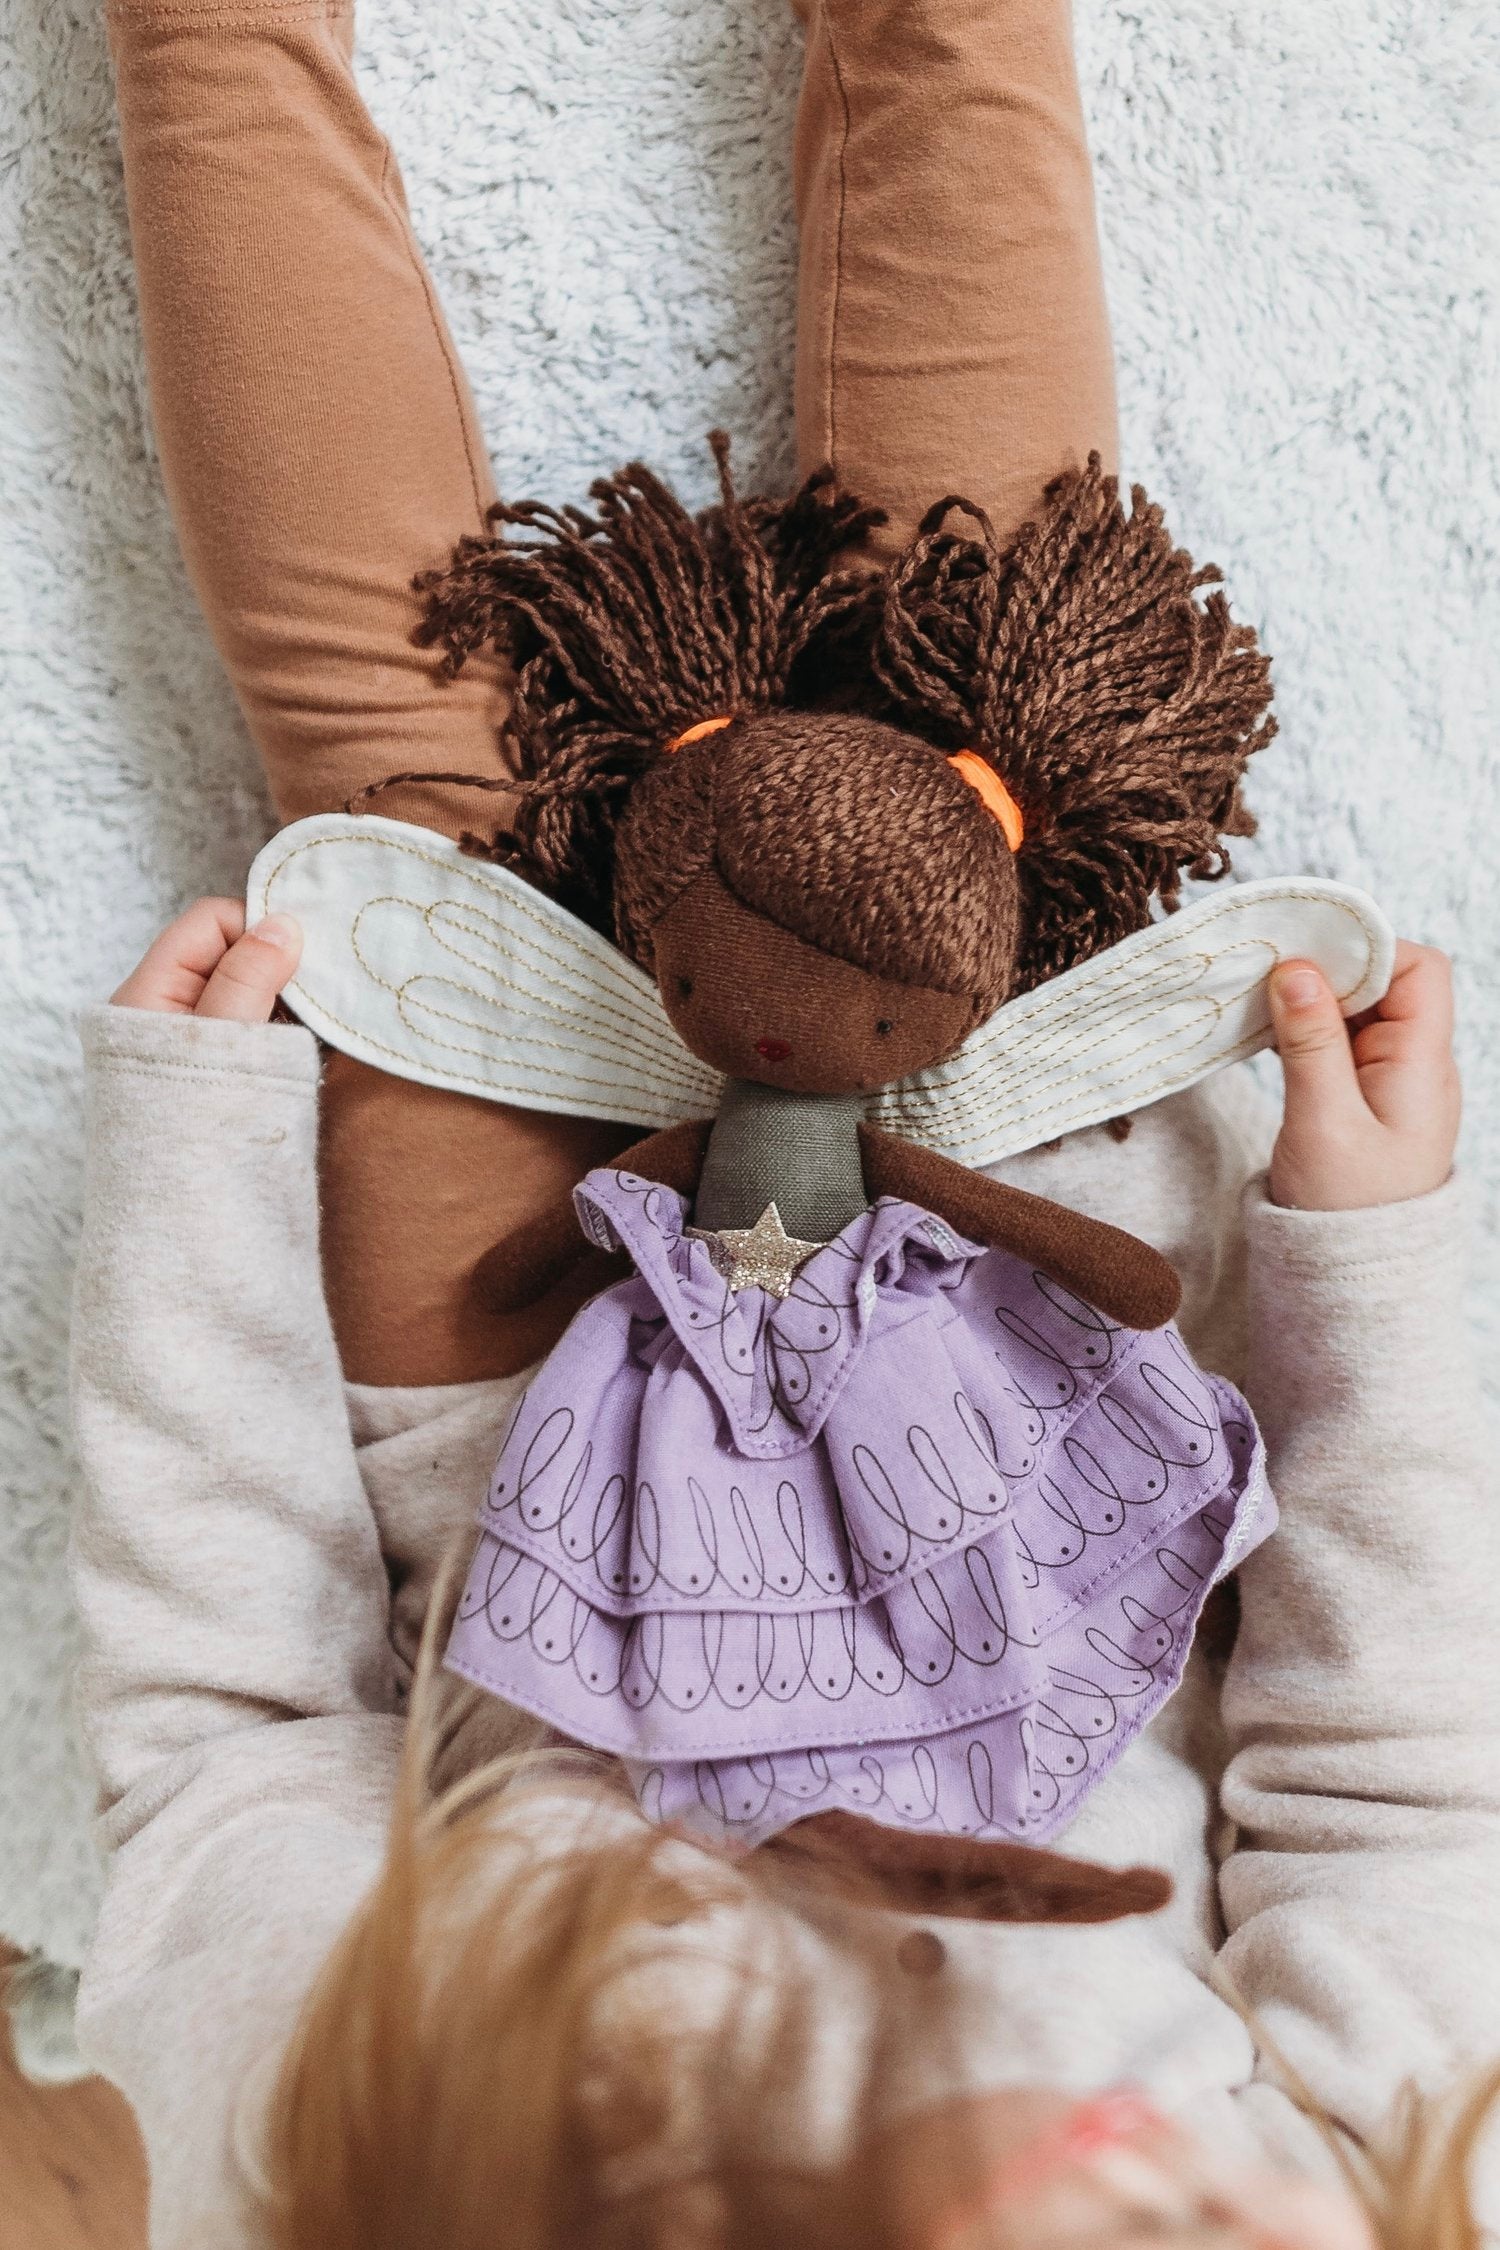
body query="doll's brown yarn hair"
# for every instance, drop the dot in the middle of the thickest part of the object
(1117, 705)
(1119, 708)
(632, 624)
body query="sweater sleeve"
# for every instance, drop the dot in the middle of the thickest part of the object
(237, 1687)
(226, 1563)
(1363, 1698)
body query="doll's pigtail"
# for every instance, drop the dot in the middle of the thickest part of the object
(628, 627)
(1117, 704)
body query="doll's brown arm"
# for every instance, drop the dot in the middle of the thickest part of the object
(965, 1877)
(1124, 1277)
(535, 1256)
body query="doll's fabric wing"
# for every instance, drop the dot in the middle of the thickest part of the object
(439, 967)
(1141, 1020)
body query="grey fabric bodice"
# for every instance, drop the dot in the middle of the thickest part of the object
(798, 1151)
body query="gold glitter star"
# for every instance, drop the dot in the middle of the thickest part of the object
(764, 1256)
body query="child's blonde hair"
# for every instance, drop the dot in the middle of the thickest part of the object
(486, 2060)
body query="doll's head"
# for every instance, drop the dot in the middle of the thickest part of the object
(842, 813)
(823, 901)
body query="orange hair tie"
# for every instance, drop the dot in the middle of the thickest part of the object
(696, 734)
(992, 793)
(981, 778)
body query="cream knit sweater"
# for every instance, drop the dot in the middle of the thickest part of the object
(1330, 1808)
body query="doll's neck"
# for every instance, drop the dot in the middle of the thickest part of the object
(798, 1151)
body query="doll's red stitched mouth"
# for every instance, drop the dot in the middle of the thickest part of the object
(772, 1050)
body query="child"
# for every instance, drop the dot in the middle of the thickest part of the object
(268, 1506)
(255, 1561)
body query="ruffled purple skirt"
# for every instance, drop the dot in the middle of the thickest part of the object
(926, 1540)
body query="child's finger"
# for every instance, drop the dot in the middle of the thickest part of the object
(1405, 1056)
(244, 986)
(1313, 1042)
(1388, 1039)
(176, 966)
(1420, 993)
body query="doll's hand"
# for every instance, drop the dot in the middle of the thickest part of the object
(1372, 1105)
(207, 964)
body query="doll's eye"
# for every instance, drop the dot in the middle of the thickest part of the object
(685, 987)
(885, 1027)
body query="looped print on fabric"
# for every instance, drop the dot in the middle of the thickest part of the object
(776, 1365)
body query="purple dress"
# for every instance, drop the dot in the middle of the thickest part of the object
(925, 1540)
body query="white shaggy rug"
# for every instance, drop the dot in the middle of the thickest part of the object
(1302, 233)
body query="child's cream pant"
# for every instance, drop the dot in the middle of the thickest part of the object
(320, 445)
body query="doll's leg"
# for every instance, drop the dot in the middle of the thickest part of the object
(319, 446)
(952, 332)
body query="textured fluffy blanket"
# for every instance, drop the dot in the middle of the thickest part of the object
(1302, 233)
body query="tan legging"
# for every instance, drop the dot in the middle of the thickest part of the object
(320, 445)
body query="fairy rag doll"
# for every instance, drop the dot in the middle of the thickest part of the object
(871, 1489)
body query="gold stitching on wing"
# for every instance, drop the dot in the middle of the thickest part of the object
(661, 1064)
(1060, 1052)
(671, 1076)
(948, 1112)
(630, 1025)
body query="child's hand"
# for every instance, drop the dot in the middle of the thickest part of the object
(208, 964)
(1372, 1105)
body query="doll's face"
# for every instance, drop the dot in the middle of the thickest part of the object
(758, 1003)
